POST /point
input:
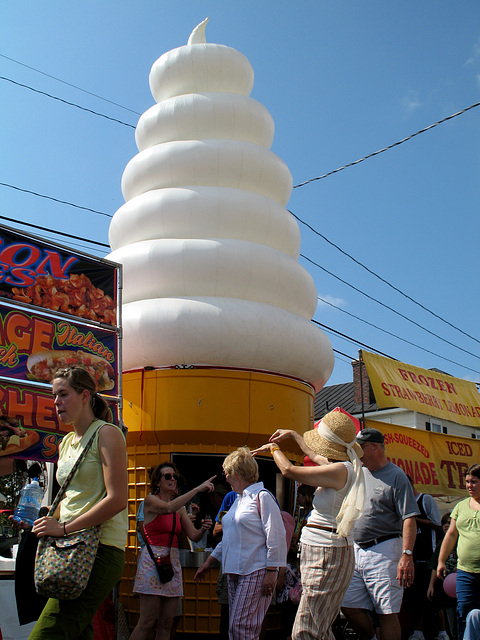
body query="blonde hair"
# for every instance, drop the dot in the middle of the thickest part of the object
(241, 463)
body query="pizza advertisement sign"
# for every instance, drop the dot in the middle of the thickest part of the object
(29, 427)
(51, 277)
(58, 308)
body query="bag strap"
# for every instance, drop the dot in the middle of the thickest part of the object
(61, 492)
(258, 500)
(172, 535)
(258, 504)
(149, 549)
(421, 506)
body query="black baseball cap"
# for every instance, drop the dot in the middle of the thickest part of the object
(370, 435)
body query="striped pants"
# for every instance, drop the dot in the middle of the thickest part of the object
(326, 573)
(247, 605)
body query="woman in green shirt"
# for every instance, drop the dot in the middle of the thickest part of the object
(464, 531)
(96, 495)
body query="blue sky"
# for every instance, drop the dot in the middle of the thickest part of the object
(341, 80)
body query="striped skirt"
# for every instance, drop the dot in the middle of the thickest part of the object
(326, 573)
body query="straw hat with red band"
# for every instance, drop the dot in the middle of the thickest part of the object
(344, 426)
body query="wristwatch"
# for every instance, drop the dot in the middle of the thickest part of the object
(407, 552)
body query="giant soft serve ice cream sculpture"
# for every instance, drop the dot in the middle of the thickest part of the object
(216, 308)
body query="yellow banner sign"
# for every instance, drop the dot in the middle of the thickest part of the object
(396, 384)
(436, 462)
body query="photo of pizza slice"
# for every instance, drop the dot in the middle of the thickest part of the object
(14, 439)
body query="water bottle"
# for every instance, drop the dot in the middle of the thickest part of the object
(28, 507)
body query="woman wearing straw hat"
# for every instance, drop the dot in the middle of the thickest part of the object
(327, 559)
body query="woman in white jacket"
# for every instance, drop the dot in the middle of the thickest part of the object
(253, 547)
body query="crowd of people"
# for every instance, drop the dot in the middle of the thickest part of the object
(366, 544)
(369, 544)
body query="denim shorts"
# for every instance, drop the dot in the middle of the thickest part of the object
(374, 585)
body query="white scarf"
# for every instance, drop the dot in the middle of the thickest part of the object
(354, 501)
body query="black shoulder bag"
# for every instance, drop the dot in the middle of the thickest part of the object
(164, 565)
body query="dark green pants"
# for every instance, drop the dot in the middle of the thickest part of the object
(72, 619)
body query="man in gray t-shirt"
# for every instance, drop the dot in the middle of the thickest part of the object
(384, 539)
(389, 500)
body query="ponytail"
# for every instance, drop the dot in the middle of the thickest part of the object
(100, 408)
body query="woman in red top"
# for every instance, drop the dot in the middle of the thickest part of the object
(158, 601)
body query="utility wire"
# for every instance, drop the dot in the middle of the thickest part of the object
(356, 342)
(69, 84)
(371, 324)
(343, 354)
(72, 104)
(405, 295)
(60, 233)
(388, 307)
(325, 175)
(71, 244)
(41, 195)
(102, 244)
(395, 144)
(303, 256)
(395, 336)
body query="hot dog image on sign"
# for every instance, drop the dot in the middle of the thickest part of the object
(43, 365)
(34, 346)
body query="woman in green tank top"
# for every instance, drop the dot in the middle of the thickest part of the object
(96, 495)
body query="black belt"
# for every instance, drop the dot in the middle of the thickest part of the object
(372, 543)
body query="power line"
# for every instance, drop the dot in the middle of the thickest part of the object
(72, 104)
(83, 247)
(343, 354)
(41, 195)
(69, 84)
(350, 164)
(388, 307)
(417, 346)
(371, 324)
(356, 342)
(362, 344)
(405, 295)
(395, 144)
(60, 233)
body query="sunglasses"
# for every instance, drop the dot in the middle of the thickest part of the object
(169, 476)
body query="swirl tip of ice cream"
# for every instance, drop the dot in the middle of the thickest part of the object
(198, 34)
(200, 67)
